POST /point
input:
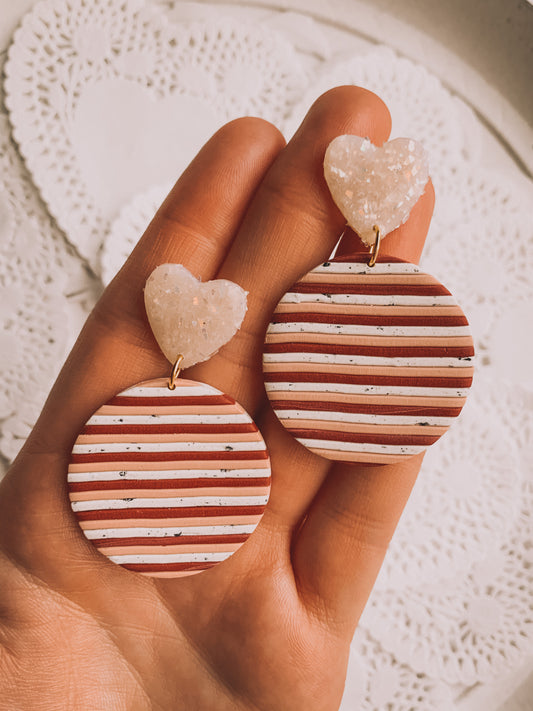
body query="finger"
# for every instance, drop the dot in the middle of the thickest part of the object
(115, 349)
(194, 226)
(340, 548)
(291, 227)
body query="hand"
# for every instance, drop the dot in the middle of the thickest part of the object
(269, 628)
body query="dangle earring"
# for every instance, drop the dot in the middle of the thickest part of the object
(367, 358)
(171, 476)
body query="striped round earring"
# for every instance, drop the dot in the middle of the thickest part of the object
(367, 358)
(171, 476)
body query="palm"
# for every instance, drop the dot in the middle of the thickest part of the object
(270, 627)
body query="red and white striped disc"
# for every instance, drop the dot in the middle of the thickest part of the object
(368, 364)
(169, 482)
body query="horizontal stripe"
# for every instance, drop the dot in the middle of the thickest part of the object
(310, 319)
(356, 349)
(170, 532)
(199, 430)
(192, 484)
(341, 399)
(350, 265)
(164, 466)
(168, 573)
(364, 418)
(150, 436)
(181, 475)
(352, 277)
(341, 359)
(333, 369)
(171, 502)
(364, 427)
(164, 522)
(146, 416)
(354, 389)
(106, 492)
(387, 378)
(168, 570)
(170, 558)
(187, 446)
(362, 408)
(187, 388)
(365, 289)
(292, 297)
(366, 437)
(370, 310)
(169, 513)
(337, 446)
(188, 551)
(333, 340)
(164, 402)
(165, 456)
(382, 329)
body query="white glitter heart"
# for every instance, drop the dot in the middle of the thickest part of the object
(192, 318)
(375, 186)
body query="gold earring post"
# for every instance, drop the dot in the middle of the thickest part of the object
(176, 370)
(374, 250)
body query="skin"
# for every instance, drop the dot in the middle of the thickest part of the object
(270, 628)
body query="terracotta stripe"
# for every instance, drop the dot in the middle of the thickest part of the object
(341, 349)
(325, 425)
(368, 320)
(154, 493)
(328, 287)
(370, 370)
(396, 400)
(377, 438)
(164, 402)
(182, 522)
(153, 550)
(370, 309)
(164, 541)
(386, 379)
(165, 456)
(151, 436)
(167, 574)
(206, 512)
(182, 429)
(167, 567)
(139, 466)
(320, 277)
(168, 410)
(427, 342)
(365, 409)
(185, 485)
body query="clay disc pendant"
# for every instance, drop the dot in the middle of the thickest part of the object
(368, 364)
(169, 482)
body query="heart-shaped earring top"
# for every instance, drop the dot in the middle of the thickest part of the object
(191, 318)
(375, 186)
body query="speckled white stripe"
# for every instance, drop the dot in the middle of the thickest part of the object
(339, 446)
(170, 502)
(171, 558)
(361, 418)
(170, 532)
(368, 299)
(156, 419)
(228, 446)
(365, 389)
(142, 474)
(335, 329)
(361, 268)
(338, 359)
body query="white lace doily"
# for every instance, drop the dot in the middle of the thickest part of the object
(377, 682)
(107, 99)
(111, 99)
(36, 272)
(470, 632)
